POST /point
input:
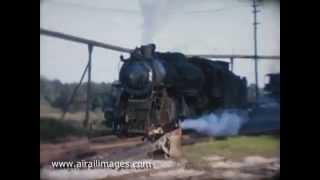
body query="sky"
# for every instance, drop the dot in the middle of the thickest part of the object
(187, 26)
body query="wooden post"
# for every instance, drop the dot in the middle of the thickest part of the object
(88, 103)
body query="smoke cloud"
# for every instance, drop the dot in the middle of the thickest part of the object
(227, 122)
(155, 14)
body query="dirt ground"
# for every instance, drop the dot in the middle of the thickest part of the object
(110, 148)
(251, 167)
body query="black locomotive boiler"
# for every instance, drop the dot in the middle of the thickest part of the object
(157, 89)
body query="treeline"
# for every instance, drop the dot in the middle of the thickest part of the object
(58, 94)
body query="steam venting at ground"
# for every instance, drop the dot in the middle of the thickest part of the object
(223, 123)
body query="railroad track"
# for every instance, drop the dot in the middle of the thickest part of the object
(111, 147)
(82, 147)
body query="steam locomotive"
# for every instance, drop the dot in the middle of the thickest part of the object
(157, 89)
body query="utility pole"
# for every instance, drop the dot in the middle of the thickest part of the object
(88, 102)
(255, 23)
(231, 64)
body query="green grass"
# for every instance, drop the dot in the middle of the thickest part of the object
(52, 130)
(234, 147)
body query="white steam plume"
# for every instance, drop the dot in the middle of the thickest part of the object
(227, 122)
(156, 15)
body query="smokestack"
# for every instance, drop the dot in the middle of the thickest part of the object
(148, 50)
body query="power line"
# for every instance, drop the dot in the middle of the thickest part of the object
(137, 12)
(95, 8)
(213, 10)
